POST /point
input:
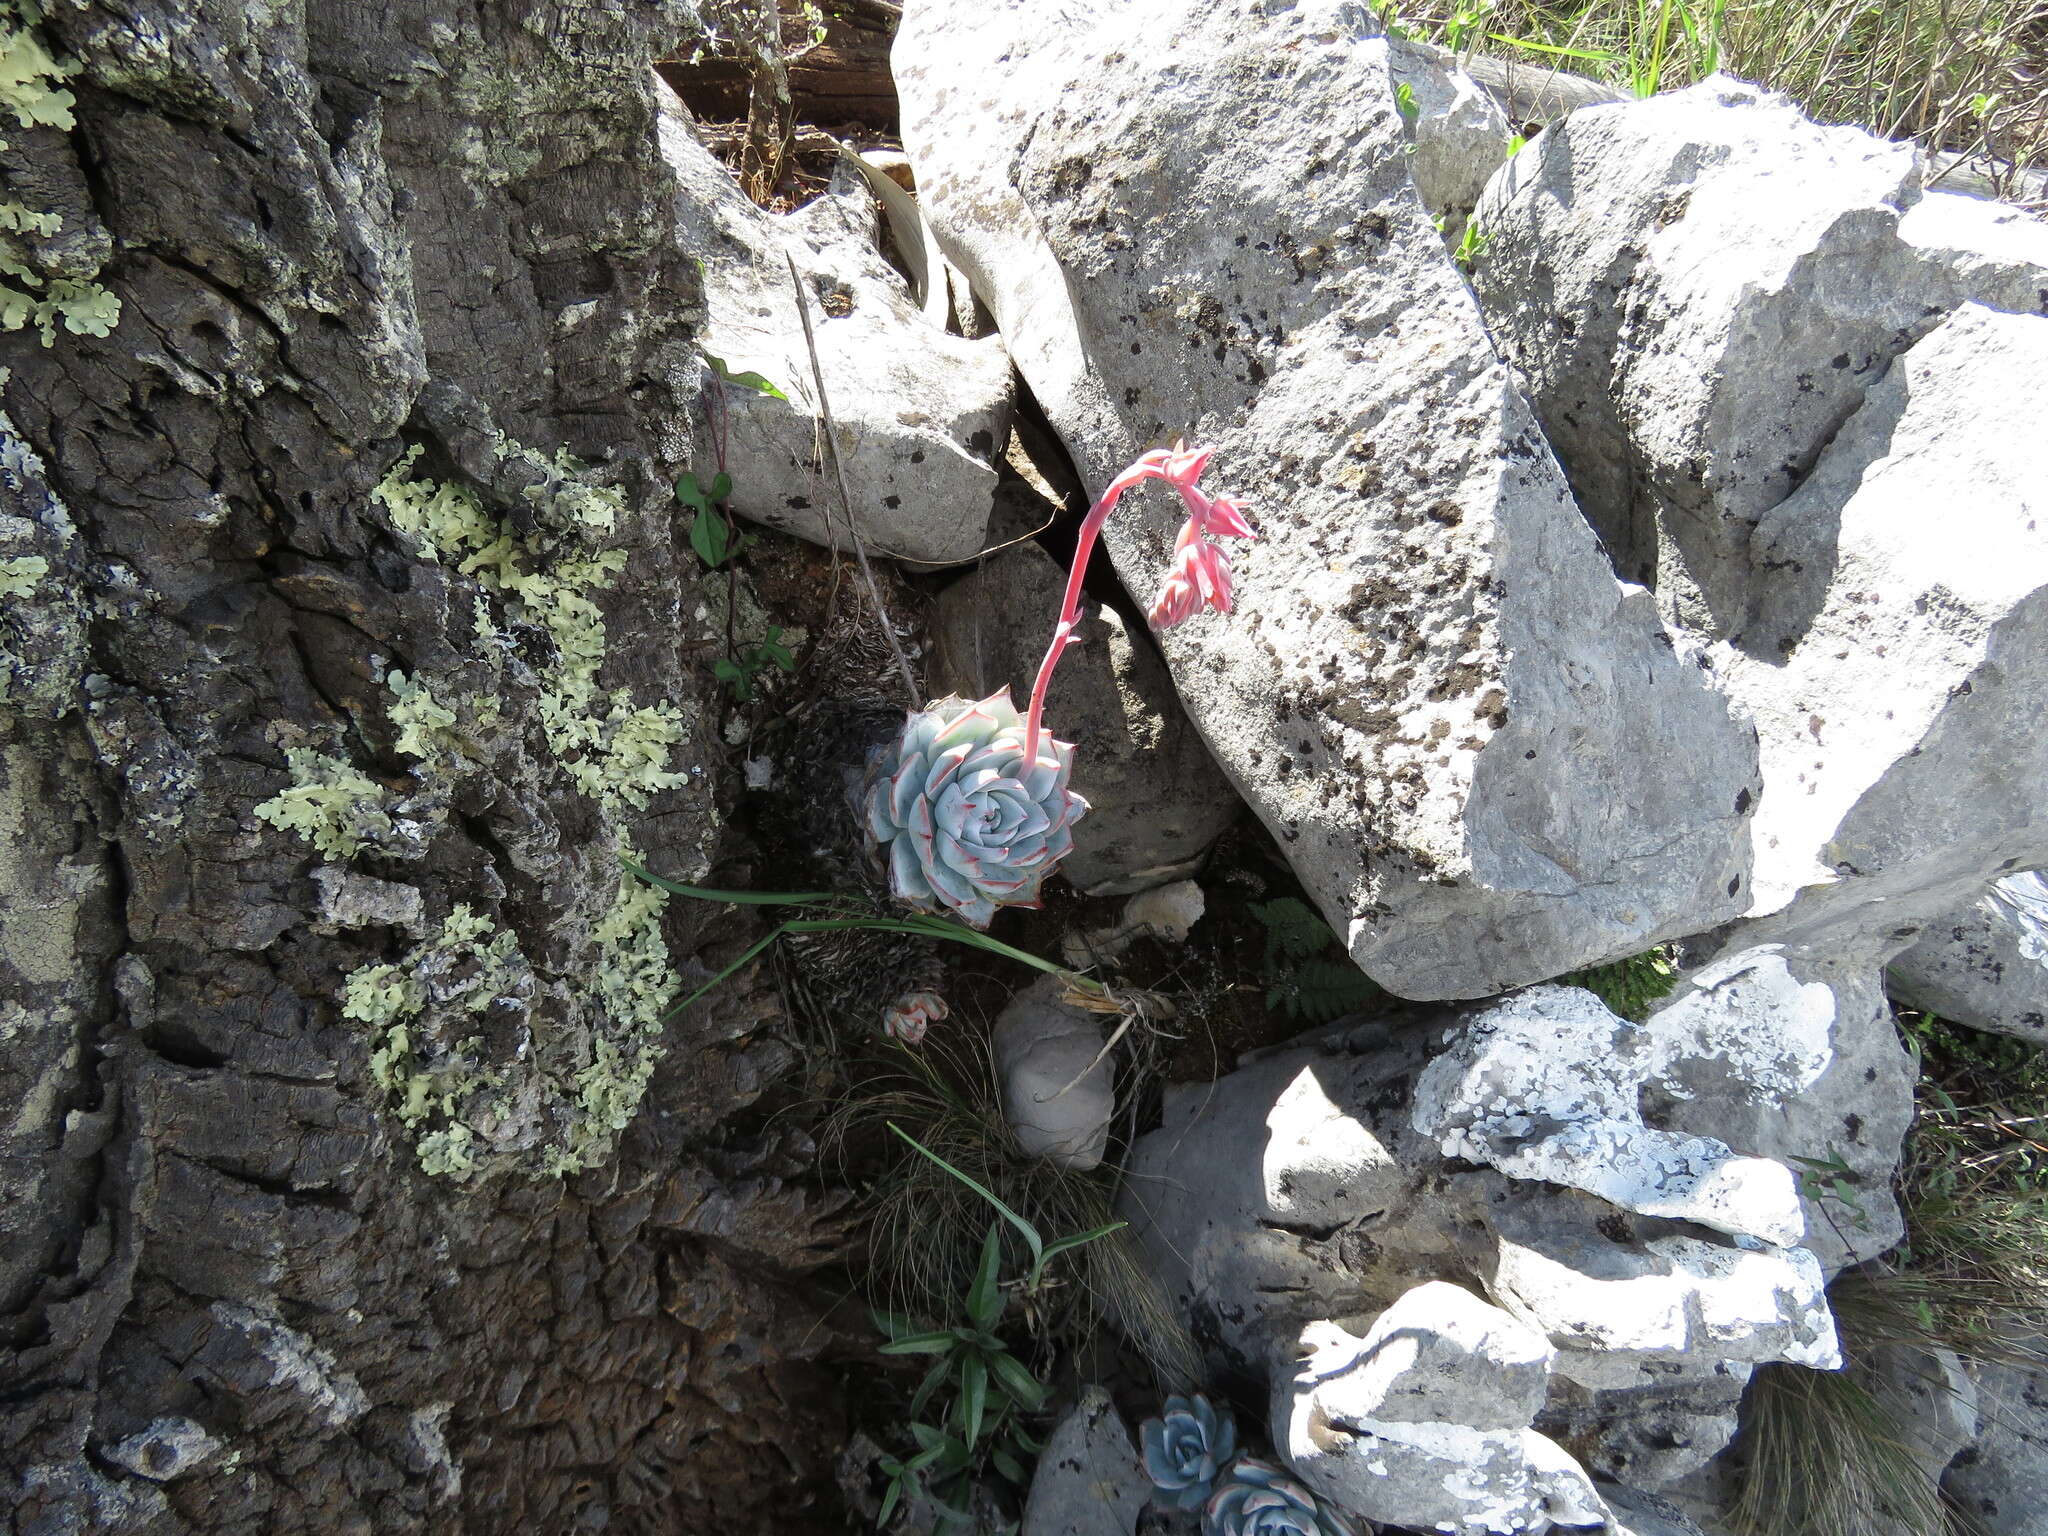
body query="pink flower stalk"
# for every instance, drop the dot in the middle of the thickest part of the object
(1199, 579)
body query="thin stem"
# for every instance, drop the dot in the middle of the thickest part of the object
(803, 312)
(1070, 615)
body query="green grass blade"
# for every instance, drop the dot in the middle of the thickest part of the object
(1053, 1249)
(744, 898)
(1593, 55)
(985, 1298)
(752, 950)
(1030, 1233)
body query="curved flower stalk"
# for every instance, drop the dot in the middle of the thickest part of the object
(1199, 579)
(968, 825)
(1256, 1498)
(971, 802)
(1185, 1447)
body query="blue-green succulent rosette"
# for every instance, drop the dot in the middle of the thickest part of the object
(1185, 1447)
(1256, 1498)
(964, 822)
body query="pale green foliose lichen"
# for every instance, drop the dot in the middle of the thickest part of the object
(330, 804)
(30, 92)
(426, 1010)
(616, 752)
(559, 1098)
(18, 577)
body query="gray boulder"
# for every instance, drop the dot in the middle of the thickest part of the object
(1986, 963)
(1895, 663)
(1201, 218)
(1425, 1420)
(921, 414)
(2000, 1480)
(1699, 288)
(1089, 1481)
(1323, 1183)
(1842, 1131)
(1156, 799)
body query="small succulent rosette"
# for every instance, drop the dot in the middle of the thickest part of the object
(1256, 1498)
(911, 1015)
(1184, 1449)
(965, 823)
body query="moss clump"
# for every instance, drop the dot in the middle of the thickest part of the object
(1628, 987)
(31, 92)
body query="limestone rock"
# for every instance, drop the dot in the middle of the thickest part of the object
(2000, 1480)
(1460, 133)
(1424, 1421)
(1930, 1396)
(1699, 288)
(1896, 664)
(1548, 1085)
(1306, 1188)
(1635, 1513)
(1057, 1095)
(1156, 799)
(921, 414)
(167, 1449)
(1166, 913)
(1985, 964)
(1844, 1128)
(1089, 1480)
(1201, 218)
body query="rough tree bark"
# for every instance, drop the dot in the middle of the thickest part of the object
(347, 1182)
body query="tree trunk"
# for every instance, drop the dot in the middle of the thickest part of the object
(351, 1181)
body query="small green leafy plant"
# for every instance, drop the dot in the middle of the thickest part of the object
(1629, 986)
(1302, 981)
(984, 1387)
(1472, 244)
(717, 541)
(712, 535)
(738, 673)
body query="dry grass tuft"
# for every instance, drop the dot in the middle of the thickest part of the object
(1969, 76)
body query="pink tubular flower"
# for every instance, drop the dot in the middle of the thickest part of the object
(1199, 579)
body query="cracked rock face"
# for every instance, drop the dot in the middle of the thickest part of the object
(1442, 718)
(1307, 1198)
(1733, 278)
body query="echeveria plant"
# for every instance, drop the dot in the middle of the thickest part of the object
(967, 824)
(1256, 1498)
(970, 802)
(1185, 1447)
